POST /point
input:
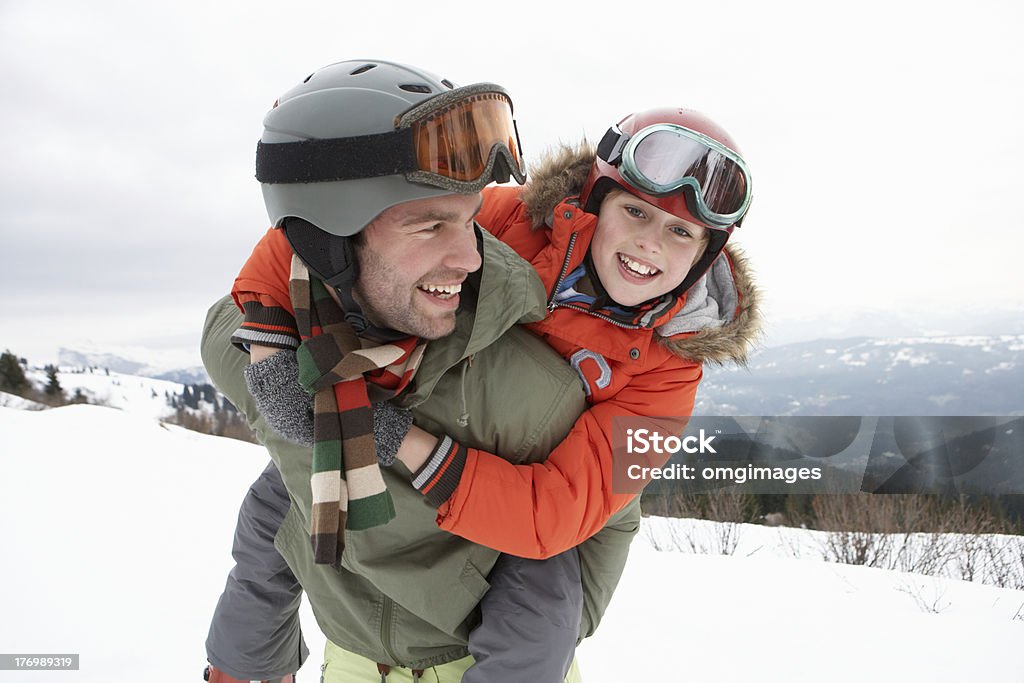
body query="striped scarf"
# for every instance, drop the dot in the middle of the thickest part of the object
(334, 366)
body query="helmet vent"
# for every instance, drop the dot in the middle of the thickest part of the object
(363, 69)
(417, 88)
(306, 79)
(448, 84)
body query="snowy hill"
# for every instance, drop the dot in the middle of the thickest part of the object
(137, 394)
(117, 538)
(131, 393)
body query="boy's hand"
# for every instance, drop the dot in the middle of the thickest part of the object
(273, 380)
(390, 425)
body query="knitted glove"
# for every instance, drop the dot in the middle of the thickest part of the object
(390, 425)
(288, 409)
(284, 404)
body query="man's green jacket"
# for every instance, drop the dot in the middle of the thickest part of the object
(407, 592)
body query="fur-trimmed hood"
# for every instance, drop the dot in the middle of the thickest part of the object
(721, 320)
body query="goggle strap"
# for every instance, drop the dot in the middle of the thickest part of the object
(331, 159)
(611, 145)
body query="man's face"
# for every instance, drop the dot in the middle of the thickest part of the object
(412, 260)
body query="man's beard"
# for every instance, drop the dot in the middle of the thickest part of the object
(389, 301)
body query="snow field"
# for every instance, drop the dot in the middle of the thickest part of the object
(117, 534)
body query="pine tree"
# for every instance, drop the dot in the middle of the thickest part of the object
(190, 397)
(12, 377)
(53, 387)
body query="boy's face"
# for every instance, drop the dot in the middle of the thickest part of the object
(640, 251)
(412, 260)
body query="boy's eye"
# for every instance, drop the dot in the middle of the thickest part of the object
(682, 232)
(634, 212)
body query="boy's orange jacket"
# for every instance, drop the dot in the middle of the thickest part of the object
(542, 509)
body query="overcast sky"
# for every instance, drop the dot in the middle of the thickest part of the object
(884, 139)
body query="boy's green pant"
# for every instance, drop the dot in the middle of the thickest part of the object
(342, 666)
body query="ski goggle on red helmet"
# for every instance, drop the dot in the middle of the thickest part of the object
(667, 158)
(460, 140)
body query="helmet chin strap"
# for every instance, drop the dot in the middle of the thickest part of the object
(717, 240)
(333, 260)
(601, 300)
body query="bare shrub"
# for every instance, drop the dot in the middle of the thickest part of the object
(1004, 561)
(676, 506)
(190, 419)
(236, 428)
(971, 542)
(927, 594)
(726, 509)
(730, 509)
(851, 522)
(880, 531)
(220, 423)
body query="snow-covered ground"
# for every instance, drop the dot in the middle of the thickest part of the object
(116, 534)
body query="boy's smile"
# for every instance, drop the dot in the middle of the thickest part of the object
(641, 252)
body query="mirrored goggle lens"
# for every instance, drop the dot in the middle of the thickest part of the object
(667, 159)
(456, 142)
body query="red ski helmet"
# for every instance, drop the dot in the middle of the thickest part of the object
(680, 161)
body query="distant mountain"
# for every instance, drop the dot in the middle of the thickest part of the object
(979, 375)
(108, 361)
(153, 364)
(195, 375)
(887, 324)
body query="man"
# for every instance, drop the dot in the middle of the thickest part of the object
(372, 171)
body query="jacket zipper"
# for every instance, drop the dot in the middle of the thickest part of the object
(385, 631)
(464, 416)
(552, 304)
(613, 321)
(561, 275)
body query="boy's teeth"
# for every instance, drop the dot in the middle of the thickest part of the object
(638, 268)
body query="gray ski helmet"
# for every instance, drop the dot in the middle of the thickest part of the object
(344, 100)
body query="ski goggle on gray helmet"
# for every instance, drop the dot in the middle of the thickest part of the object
(359, 137)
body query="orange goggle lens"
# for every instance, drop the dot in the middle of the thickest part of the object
(457, 142)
